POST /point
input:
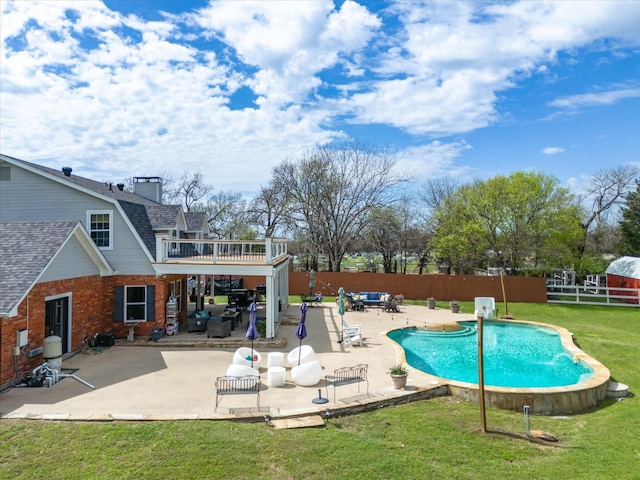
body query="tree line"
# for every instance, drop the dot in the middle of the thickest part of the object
(340, 199)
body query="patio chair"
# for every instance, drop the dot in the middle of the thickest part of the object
(300, 355)
(485, 307)
(307, 374)
(243, 356)
(352, 334)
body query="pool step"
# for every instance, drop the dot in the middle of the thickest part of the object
(617, 390)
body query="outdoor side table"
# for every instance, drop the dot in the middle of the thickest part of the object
(275, 359)
(276, 376)
(234, 317)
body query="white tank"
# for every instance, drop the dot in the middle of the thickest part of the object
(52, 351)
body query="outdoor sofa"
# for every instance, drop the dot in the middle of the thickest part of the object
(218, 327)
(371, 299)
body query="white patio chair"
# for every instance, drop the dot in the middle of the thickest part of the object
(302, 354)
(243, 355)
(307, 374)
(352, 334)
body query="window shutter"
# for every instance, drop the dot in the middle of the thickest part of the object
(151, 303)
(118, 305)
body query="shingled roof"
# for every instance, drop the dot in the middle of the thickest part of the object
(196, 221)
(103, 188)
(145, 215)
(27, 249)
(163, 217)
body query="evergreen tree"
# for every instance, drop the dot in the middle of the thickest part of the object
(630, 223)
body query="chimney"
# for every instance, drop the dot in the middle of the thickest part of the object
(148, 187)
(67, 171)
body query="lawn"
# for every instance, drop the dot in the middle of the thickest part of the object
(427, 439)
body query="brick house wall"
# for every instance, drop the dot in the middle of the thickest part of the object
(92, 303)
(88, 306)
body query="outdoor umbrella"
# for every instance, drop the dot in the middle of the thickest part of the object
(252, 330)
(341, 311)
(312, 281)
(301, 331)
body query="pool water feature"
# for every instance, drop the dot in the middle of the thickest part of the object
(525, 363)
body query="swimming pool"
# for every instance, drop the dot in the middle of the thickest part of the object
(515, 355)
(525, 363)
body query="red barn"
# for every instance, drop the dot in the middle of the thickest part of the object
(625, 273)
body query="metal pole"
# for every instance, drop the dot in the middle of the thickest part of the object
(483, 416)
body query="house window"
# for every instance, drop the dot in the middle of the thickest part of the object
(5, 174)
(175, 290)
(135, 303)
(101, 228)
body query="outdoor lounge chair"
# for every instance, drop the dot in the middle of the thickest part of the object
(300, 355)
(243, 355)
(307, 374)
(352, 334)
(485, 307)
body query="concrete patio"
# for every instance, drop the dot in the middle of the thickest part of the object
(174, 377)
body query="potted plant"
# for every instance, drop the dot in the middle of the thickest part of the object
(399, 376)
(261, 326)
(455, 306)
(431, 303)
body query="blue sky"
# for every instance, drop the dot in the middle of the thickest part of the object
(230, 89)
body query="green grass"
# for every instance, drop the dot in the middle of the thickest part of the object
(438, 438)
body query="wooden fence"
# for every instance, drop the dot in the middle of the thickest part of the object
(421, 287)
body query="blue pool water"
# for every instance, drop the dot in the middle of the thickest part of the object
(515, 355)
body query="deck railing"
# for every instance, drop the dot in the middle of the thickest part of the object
(594, 295)
(213, 251)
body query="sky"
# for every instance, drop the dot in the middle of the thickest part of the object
(231, 89)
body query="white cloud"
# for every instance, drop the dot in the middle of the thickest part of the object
(456, 56)
(597, 98)
(433, 160)
(552, 150)
(120, 95)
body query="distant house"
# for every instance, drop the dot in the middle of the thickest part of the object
(624, 273)
(80, 257)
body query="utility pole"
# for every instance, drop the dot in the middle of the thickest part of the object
(483, 415)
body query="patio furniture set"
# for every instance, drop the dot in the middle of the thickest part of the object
(359, 301)
(243, 375)
(220, 326)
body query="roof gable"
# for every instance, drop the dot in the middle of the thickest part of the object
(165, 217)
(196, 222)
(28, 248)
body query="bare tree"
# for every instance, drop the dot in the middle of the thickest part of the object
(607, 189)
(226, 215)
(433, 195)
(333, 191)
(384, 236)
(268, 210)
(190, 189)
(436, 190)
